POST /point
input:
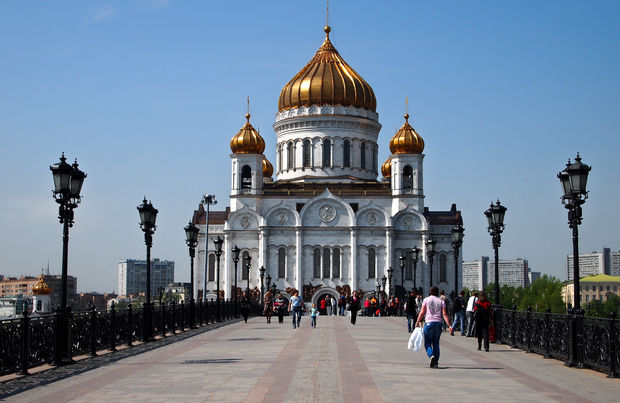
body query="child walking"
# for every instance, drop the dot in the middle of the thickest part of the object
(313, 314)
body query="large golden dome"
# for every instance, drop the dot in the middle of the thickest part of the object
(327, 80)
(406, 140)
(386, 168)
(247, 141)
(267, 168)
(41, 288)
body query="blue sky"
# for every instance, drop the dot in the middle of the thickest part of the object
(147, 95)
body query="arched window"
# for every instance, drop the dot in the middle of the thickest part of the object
(407, 177)
(316, 273)
(363, 155)
(327, 153)
(346, 153)
(39, 306)
(326, 263)
(408, 266)
(281, 263)
(246, 177)
(307, 153)
(289, 155)
(336, 267)
(211, 271)
(280, 151)
(372, 265)
(443, 269)
(244, 268)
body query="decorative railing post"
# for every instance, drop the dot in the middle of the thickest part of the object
(112, 327)
(25, 343)
(129, 325)
(498, 322)
(513, 336)
(93, 331)
(613, 352)
(183, 315)
(173, 307)
(547, 335)
(528, 329)
(575, 347)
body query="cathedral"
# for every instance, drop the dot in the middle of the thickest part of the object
(326, 224)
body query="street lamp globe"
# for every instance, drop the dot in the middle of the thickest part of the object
(217, 242)
(458, 234)
(148, 215)
(61, 173)
(191, 235)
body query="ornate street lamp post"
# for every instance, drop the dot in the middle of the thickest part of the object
(68, 181)
(383, 282)
(148, 216)
(390, 277)
(248, 265)
(207, 200)
(430, 252)
(378, 287)
(401, 263)
(457, 241)
(574, 178)
(235, 257)
(262, 286)
(495, 217)
(268, 281)
(415, 254)
(191, 238)
(217, 242)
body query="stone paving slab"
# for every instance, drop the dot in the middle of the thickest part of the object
(336, 362)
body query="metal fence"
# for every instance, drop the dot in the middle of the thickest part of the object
(579, 341)
(30, 341)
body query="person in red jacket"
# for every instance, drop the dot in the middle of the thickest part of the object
(482, 317)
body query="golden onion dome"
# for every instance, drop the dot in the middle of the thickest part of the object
(247, 141)
(41, 287)
(327, 80)
(267, 168)
(386, 168)
(406, 140)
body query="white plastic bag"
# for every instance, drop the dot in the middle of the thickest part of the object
(416, 341)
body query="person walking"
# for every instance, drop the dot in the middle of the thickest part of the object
(342, 304)
(367, 307)
(433, 309)
(471, 302)
(411, 310)
(313, 314)
(354, 306)
(334, 306)
(459, 313)
(295, 308)
(280, 307)
(268, 309)
(482, 316)
(328, 302)
(245, 307)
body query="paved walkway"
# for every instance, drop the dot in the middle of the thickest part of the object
(336, 362)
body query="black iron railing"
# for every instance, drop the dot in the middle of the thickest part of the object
(29, 341)
(579, 341)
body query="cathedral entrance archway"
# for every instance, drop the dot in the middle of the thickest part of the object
(321, 294)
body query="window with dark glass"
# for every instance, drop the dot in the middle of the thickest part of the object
(244, 268)
(336, 264)
(327, 153)
(408, 266)
(407, 177)
(363, 155)
(317, 264)
(346, 153)
(326, 263)
(443, 269)
(289, 155)
(307, 153)
(371, 263)
(211, 271)
(281, 263)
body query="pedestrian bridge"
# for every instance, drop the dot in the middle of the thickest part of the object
(336, 362)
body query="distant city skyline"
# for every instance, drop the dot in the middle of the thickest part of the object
(147, 95)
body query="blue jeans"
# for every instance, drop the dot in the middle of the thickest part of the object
(313, 321)
(296, 314)
(459, 317)
(432, 332)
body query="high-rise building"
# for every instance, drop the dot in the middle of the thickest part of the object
(475, 274)
(132, 276)
(533, 275)
(511, 272)
(605, 262)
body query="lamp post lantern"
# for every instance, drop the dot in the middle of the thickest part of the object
(457, 241)
(207, 200)
(235, 257)
(415, 255)
(191, 239)
(430, 252)
(262, 286)
(68, 181)
(574, 179)
(495, 217)
(148, 216)
(217, 242)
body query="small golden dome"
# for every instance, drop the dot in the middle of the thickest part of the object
(267, 168)
(41, 287)
(406, 140)
(386, 168)
(327, 80)
(247, 141)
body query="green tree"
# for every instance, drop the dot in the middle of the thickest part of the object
(611, 305)
(544, 292)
